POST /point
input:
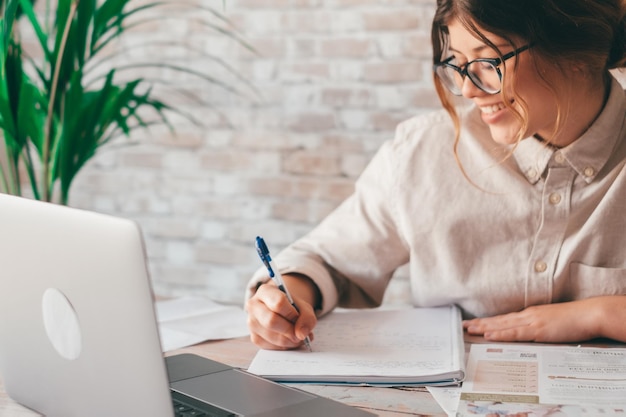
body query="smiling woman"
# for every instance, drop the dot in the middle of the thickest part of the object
(566, 79)
(540, 238)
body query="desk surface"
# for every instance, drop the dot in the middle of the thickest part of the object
(386, 402)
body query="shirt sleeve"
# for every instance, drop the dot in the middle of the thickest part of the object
(352, 254)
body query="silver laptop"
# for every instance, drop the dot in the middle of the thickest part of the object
(78, 334)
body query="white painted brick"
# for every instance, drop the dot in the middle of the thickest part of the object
(346, 70)
(355, 119)
(213, 230)
(181, 161)
(180, 253)
(265, 70)
(226, 185)
(353, 164)
(390, 45)
(139, 204)
(174, 228)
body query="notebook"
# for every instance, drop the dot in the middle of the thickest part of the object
(78, 335)
(378, 347)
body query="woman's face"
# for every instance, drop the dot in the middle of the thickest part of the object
(502, 122)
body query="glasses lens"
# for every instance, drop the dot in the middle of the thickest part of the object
(485, 75)
(450, 78)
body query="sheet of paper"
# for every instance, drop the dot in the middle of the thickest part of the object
(189, 320)
(447, 398)
(540, 380)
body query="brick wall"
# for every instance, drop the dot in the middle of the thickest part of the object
(332, 79)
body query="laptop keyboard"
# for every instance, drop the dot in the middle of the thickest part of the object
(188, 407)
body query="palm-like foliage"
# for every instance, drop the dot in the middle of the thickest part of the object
(53, 116)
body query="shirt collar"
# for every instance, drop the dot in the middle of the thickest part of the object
(589, 153)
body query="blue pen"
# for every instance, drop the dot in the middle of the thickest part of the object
(264, 254)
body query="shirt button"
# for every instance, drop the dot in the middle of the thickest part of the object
(555, 198)
(532, 173)
(559, 158)
(540, 266)
(589, 171)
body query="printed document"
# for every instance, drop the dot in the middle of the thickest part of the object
(544, 380)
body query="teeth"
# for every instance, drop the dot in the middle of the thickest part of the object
(492, 109)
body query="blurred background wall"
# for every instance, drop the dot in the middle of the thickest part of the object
(329, 81)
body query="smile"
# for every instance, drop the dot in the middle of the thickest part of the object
(492, 109)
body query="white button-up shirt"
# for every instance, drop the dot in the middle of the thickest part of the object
(539, 225)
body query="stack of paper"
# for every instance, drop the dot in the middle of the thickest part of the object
(417, 346)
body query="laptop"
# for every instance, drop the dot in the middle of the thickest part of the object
(78, 331)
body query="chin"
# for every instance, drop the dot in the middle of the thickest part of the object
(504, 136)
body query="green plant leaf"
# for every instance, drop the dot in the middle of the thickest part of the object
(59, 107)
(27, 8)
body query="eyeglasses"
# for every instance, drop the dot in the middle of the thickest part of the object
(483, 72)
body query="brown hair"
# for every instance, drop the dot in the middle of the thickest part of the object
(590, 35)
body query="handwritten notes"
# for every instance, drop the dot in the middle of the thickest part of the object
(391, 347)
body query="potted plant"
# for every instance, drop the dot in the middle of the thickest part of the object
(60, 104)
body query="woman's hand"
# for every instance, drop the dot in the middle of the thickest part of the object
(274, 323)
(573, 321)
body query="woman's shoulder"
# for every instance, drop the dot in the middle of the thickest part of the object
(424, 122)
(434, 127)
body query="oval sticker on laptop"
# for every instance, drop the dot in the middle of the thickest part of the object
(61, 323)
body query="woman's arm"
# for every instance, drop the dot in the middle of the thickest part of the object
(573, 321)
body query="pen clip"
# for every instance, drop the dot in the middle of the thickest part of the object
(264, 254)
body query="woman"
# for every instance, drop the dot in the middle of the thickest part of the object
(512, 208)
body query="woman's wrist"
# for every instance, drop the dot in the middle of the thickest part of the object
(608, 316)
(303, 287)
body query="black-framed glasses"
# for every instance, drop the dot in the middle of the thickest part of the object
(483, 72)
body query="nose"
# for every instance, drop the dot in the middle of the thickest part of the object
(469, 89)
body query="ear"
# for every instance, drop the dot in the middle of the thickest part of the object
(581, 70)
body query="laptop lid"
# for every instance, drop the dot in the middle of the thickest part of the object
(67, 330)
(78, 332)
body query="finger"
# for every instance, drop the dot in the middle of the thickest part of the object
(269, 325)
(268, 338)
(303, 317)
(265, 344)
(476, 326)
(273, 320)
(512, 327)
(276, 301)
(496, 323)
(306, 322)
(275, 342)
(514, 334)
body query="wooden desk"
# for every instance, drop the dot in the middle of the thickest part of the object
(386, 402)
